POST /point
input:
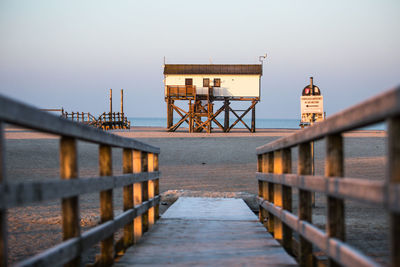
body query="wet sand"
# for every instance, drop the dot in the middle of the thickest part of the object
(199, 164)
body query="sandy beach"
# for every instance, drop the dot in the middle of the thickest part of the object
(217, 164)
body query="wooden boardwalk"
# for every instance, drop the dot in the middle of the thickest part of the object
(207, 232)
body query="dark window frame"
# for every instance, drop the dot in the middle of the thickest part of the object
(189, 81)
(206, 82)
(217, 82)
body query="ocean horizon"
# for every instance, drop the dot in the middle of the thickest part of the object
(260, 123)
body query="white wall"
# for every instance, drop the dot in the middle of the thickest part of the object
(231, 85)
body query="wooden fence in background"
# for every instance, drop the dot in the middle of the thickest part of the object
(276, 183)
(140, 182)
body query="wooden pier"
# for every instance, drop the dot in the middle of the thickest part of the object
(106, 121)
(207, 232)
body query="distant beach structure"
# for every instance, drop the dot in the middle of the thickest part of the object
(202, 86)
(311, 104)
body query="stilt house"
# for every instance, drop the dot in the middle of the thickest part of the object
(202, 86)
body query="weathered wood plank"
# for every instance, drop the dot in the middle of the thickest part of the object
(283, 197)
(67, 250)
(156, 188)
(334, 248)
(20, 194)
(335, 221)
(106, 205)
(26, 116)
(3, 211)
(137, 196)
(262, 187)
(271, 191)
(287, 199)
(145, 191)
(393, 179)
(305, 204)
(357, 189)
(70, 206)
(372, 111)
(127, 168)
(223, 232)
(150, 184)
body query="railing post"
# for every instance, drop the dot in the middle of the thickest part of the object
(335, 224)
(305, 203)
(106, 205)
(156, 188)
(70, 206)
(137, 195)
(261, 212)
(271, 191)
(263, 188)
(145, 193)
(278, 199)
(127, 167)
(287, 199)
(283, 197)
(393, 178)
(150, 184)
(3, 212)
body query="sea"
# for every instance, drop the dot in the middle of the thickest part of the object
(260, 123)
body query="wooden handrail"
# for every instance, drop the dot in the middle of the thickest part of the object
(70, 187)
(20, 194)
(275, 183)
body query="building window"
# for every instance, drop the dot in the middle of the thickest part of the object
(206, 82)
(188, 81)
(217, 82)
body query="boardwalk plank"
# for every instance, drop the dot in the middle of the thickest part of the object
(207, 232)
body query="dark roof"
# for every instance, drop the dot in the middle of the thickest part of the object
(212, 69)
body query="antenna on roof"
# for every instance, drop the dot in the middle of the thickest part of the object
(211, 61)
(164, 61)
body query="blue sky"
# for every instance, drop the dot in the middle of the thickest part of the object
(67, 54)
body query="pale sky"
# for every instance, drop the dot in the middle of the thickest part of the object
(68, 54)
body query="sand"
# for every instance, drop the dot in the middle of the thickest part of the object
(199, 164)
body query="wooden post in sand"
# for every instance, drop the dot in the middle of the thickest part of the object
(335, 224)
(106, 205)
(3, 212)
(127, 167)
(137, 196)
(305, 204)
(70, 206)
(393, 179)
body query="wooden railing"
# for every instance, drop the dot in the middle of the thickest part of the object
(276, 183)
(140, 182)
(181, 91)
(114, 120)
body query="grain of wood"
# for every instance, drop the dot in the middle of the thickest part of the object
(70, 206)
